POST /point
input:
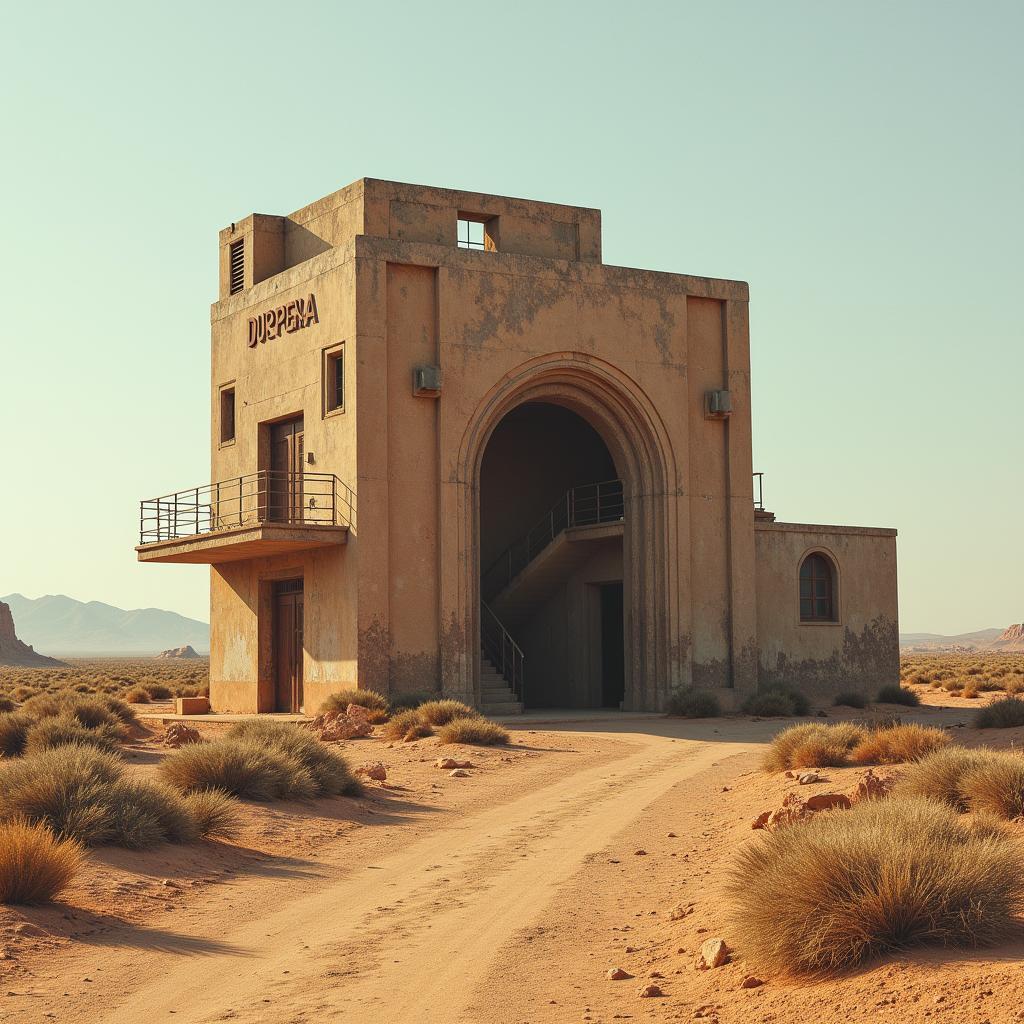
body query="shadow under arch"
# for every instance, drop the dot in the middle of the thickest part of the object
(625, 418)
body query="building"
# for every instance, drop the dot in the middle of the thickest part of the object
(453, 451)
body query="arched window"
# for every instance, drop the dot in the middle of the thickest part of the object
(817, 590)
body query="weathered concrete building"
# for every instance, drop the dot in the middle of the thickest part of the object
(453, 451)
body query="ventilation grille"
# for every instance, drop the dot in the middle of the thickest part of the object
(237, 256)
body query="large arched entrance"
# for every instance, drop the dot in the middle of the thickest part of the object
(610, 422)
(551, 558)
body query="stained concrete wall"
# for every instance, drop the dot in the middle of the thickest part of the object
(860, 650)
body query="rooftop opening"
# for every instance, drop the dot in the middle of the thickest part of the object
(237, 266)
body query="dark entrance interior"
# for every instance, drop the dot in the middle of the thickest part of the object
(287, 654)
(285, 477)
(551, 513)
(613, 648)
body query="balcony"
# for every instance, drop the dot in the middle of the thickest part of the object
(254, 516)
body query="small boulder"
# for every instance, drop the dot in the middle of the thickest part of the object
(374, 771)
(178, 734)
(713, 953)
(761, 821)
(827, 801)
(872, 787)
(751, 982)
(650, 992)
(678, 913)
(447, 763)
(808, 778)
(459, 773)
(618, 974)
(639, 853)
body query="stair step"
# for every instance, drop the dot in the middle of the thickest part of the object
(510, 707)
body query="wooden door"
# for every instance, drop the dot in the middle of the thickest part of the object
(285, 483)
(288, 616)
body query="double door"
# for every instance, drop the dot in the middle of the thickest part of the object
(288, 630)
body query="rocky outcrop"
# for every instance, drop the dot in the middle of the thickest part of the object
(179, 652)
(14, 652)
(1011, 639)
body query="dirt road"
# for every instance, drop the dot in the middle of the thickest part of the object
(402, 931)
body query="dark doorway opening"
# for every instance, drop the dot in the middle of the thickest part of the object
(285, 477)
(287, 654)
(613, 648)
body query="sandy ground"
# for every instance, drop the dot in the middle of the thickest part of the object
(504, 897)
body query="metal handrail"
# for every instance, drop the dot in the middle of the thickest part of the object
(586, 505)
(759, 491)
(267, 496)
(505, 654)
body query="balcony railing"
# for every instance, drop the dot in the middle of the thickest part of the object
(759, 491)
(268, 496)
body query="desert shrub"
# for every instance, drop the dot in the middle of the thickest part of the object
(329, 770)
(841, 888)
(121, 711)
(895, 744)
(777, 702)
(64, 788)
(970, 692)
(369, 699)
(1001, 714)
(407, 725)
(851, 699)
(92, 712)
(34, 864)
(14, 727)
(143, 815)
(940, 774)
(404, 701)
(475, 731)
(137, 695)
(158, 691)
(244, 767)
(65, 730)
(44, 705)
(691, 703)
(6, 704)
(894, 694)
(995, 785)
(213, 812)
(23, 693)
(441, 712)
(812, 745)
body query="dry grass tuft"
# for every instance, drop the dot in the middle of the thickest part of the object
(828, 894)
(64, 730)
(14, 727)
(374, 702)
(34, 865)
(407, 725)
(441, 712)
(690, 703)
(940, 774)
(475, 731)
(813, 745)
(1005, 713)
(996, 786)
(329, 770)
(895, 694)
(895, 744)
(214, 812)
(245, 767)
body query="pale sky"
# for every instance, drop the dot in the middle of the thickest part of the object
(860, 165)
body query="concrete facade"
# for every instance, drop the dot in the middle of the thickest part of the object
(574, 368)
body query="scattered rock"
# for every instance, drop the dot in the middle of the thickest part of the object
(459, 773)
(827, 801)
(449, 762)
(618, 974)
(671, 835)
(761, 821)
(342, 725)
(808, 778)
(639, 853)
(178, 734)
(751, 982)
(713, 953)
(650, 992)
(374, 771)
(655, 974)
(678, 913)
(872, 787)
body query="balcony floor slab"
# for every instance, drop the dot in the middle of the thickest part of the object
(238, 545)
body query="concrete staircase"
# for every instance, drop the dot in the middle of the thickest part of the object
(496, 696)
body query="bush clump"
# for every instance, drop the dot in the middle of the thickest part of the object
(374, 702)
(407, 725)
(894, 694)
(404, 701)
(64, 730)
(777, 702)
(996, 785)
(137, 695)
(851, 699)
(34, 864)
(441, 712)
(840, 889)
(14, 727)
(475, 731)
(691, 703)
(157, 691)
(82, 793)
(894, 744)
(940, 775)
(329, 770)
(813, 745)
(1001, 714)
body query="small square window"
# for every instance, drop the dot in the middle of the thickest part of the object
(227, 415)
(473, 234)
(334, 380)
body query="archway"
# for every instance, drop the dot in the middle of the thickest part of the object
(656, 652)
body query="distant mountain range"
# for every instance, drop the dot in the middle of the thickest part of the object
(991, 640)
(59, 625)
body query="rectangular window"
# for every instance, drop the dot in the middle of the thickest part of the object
(227, 415)
(334, 380)
(480, 233)
(236, 256)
